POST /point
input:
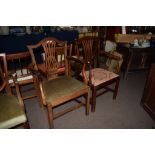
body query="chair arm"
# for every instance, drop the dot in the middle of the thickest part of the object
(35, 72)
(71, 58)
(75, 66)
(38, 82)
(109, 55)
(87, 67)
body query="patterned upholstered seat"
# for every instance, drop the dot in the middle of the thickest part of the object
(100, 76)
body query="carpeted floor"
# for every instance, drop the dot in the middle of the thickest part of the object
(123, 113)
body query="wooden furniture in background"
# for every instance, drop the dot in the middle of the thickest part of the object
(12, 111)
(148, 99)
(129, 38)
(57, 90)
(19, 65)
(135, 58)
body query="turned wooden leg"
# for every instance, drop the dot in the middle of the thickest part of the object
(93, 107)
(87, 103)
(50, 116)
(116, 88)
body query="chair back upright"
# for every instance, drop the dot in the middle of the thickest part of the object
(3, 74)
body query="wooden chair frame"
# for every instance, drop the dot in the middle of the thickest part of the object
(49, 45)
(19, 64)
(89, 61)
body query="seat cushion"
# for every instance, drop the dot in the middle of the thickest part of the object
(11, 113)
(62, 88)
(100, 76)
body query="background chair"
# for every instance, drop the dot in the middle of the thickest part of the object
(57, 90)
(98, 78)
(19, 64)
(12, 111)
(86, 49)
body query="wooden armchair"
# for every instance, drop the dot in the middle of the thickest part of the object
(12, 111)
(19, 64)
(97, 78)
(57, 90)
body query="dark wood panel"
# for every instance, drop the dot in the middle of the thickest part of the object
(148, 99)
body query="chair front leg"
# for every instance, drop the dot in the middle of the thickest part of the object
(50, 116)
(87, 103)
(93, 107)
(116, 88)
(26, 125)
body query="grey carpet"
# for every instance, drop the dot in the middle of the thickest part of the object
(123, 113)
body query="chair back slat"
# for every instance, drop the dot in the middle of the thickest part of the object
(18, 63)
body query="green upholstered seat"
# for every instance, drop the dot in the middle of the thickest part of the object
(11, 114)
(62, 87)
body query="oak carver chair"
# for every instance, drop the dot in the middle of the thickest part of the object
(57, 89)
(12, 110)
(96, 78)
(19, 64)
